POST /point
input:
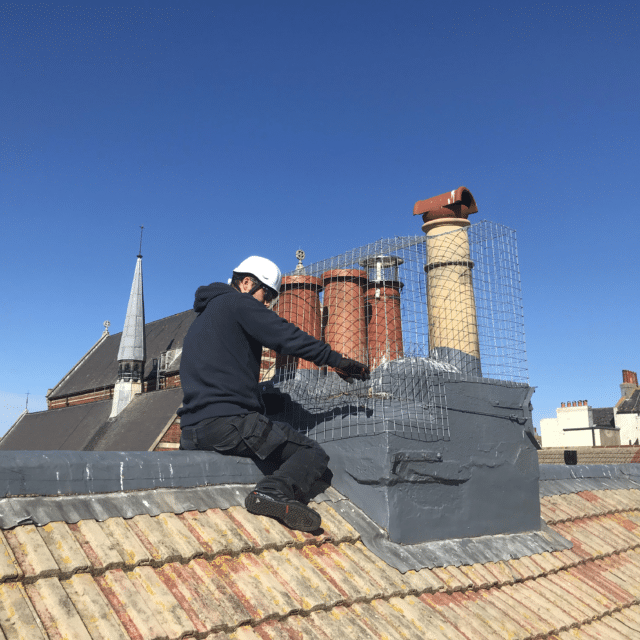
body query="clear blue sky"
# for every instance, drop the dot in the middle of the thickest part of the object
(236, 128)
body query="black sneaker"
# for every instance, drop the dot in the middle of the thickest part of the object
(276, 504)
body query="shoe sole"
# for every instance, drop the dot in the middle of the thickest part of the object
(295, 516)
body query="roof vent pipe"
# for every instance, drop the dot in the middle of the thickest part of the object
(453, 327)
(384, 327)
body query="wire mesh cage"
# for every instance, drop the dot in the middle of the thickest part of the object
(418, 310)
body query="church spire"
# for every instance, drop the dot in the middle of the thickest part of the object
(132, 351)
(132, 343)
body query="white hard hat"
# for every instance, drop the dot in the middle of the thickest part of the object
(264, 270)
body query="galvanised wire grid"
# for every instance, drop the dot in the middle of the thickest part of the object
(419, 311)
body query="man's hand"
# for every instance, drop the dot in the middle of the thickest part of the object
(351, 370)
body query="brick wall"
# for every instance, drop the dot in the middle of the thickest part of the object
(171, 438)
(81, 398)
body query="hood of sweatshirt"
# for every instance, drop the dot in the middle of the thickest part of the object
(207, 293)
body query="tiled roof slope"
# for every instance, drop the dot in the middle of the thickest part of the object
(228, 575)
(592, 455)
(100, 369)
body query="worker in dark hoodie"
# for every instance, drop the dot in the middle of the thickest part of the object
(223, 409)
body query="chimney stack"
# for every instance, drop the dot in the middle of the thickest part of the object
(299, 303)
(384, 327)
(346, 328)
(629, 383)
(453, 328)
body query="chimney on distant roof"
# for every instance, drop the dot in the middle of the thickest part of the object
(132, 352)
(629, 383)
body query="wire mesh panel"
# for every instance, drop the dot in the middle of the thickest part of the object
(418, 311)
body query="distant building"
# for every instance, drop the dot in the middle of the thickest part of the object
(578, 425)
(122, 395)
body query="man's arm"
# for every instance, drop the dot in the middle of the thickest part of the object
(285, 338)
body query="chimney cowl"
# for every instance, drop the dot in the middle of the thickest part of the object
(458, 203)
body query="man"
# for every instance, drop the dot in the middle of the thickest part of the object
(223, 410)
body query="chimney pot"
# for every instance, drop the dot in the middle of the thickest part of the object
(574, 403)
(562, 405)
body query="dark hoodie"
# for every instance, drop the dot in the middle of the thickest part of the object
(220, 362)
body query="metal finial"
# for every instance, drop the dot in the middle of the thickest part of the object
(106, 325)
(140, 251)
(26, 408)
(300, 257)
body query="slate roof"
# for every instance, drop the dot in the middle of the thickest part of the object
(100, 370)
(603, 417)
(632, 404)
(87, 426)
(57, 429)
(223, 574)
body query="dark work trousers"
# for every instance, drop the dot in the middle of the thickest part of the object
(300, 460)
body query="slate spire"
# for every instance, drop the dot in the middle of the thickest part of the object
(132, 343)
(132, 351)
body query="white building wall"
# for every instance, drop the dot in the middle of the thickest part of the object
(558, 432)
(629, 425)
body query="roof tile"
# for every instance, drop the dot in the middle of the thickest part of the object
(394, 582)
(628, 619)
(254, 585)
(165, 538)
(193, 596)
(336, 527)
(215, 532)
(583, 544)
(64, 548)
(376, 623)
(502, 571)
(583, 579)
(310, 588)
(511, 607)
(260, 531)
(563, 598)
(125, 542)
(93, 608)
(9, 568)
(213, 589)
(482, 608)
(132, 610)
(482, 578)
(56, 611)
(604, 631)
(164, 607)
(393, 615)
(425, 618)
(453, 578)
(302, 627)
(340, 623)
(98, 547)
(17, 616)
(31, 552)
(345, 574)
(622, 629)
(543, 604)
(452, 609)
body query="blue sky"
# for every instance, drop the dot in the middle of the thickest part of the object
(236, 128)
